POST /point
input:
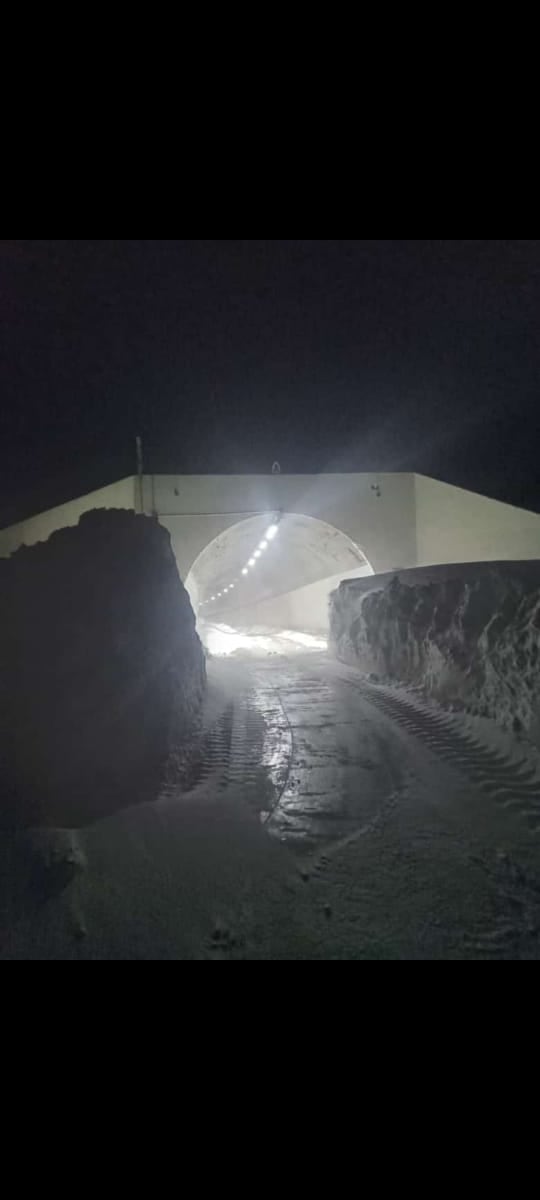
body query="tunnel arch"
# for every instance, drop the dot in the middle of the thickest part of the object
(307, 555)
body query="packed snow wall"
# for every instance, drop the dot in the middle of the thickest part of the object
(469, 635)
(101, 670)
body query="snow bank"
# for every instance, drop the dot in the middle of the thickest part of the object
(468, 635)
(101, 670)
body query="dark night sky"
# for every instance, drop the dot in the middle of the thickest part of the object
(227, 354)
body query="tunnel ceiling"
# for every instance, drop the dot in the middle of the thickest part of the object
(303, 551)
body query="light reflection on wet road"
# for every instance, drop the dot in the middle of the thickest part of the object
(306, 753)
(320, 752)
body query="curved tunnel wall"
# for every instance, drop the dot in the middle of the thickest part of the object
(290, 578)
(305, 608)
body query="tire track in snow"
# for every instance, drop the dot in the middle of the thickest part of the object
(249, 748)
(512, 786)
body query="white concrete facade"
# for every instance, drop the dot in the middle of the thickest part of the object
(388, 521)
(39, 528)
(454, 525)
(376, 512)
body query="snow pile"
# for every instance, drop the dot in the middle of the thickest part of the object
(469, 636)
(102, 672)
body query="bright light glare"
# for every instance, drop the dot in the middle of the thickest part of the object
(271, 532)
(252, 562)
(263, 545)
(257, 554)
(223, 640)
(308, 640)
(244, 571)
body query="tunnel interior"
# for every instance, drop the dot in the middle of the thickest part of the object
(272, 572)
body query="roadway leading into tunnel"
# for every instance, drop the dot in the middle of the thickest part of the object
(344, 742)
(328, 817)
(417, 837)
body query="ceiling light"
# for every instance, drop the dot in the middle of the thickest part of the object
(271, 532)
(252, 562)
(257, 554)
(263, 545)
(245, 571)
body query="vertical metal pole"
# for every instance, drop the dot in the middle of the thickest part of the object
(140, 485)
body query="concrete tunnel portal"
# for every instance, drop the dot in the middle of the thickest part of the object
(273, 571)
(331, 527)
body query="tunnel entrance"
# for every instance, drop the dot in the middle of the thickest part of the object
(269, 575)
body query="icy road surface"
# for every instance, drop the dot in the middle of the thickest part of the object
(326, 817)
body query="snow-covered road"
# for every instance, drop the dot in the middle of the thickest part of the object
(328, 817)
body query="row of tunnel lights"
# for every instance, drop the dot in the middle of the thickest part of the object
(252, 562)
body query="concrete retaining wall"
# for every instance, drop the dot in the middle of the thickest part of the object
(39, 528)
(453, 525)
